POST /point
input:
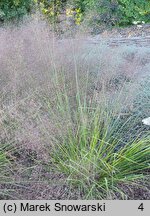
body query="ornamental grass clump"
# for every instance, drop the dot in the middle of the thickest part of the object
(72, 111)
(98, 151)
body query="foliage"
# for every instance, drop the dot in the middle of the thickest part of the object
(51, 9)
(120, 12)
(134, 10)
(12, 9)
(116, 12)
(108, 12)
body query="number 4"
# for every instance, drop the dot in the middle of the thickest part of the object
(141, 207)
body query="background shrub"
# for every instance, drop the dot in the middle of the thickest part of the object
(50, 8)
(119, 12)
(134, 10)
(12, 9)
(107, 12)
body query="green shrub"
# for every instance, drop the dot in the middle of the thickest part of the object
(134, 10)
(116, 12)
(14, 9)
(120, 12)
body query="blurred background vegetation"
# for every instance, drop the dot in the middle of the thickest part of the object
(101, 12)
